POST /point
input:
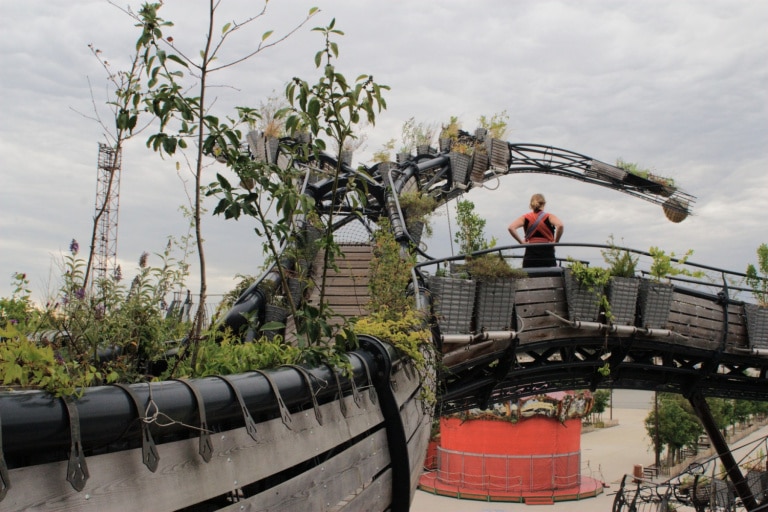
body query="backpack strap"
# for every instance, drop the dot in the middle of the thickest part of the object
(532, 227)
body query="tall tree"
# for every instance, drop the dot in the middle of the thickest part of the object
(678, 425)
(330, 111)
(125, 107)
(178, 95)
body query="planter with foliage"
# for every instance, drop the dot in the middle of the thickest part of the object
(453, 303)
(495, 292)
(449, 133)
(757, 314)
(585, 291)
(417, 208)
(623, 286)
(654, 302)
(496, 147)
(757, 325)
(460, 166)
(654, 183)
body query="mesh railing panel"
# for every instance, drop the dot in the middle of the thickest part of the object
(508, 473)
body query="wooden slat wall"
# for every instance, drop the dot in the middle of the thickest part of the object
(346, 290)
(534, 296)
(405, 382)
(371, 498)
(701, 321)
(327, 486)
(119, 481)
(417, 421)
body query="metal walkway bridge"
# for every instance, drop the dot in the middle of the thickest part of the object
(705, 342)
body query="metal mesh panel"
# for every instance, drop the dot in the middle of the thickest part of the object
(495, 304)
(583, 303)
(655, 300)
(622, 296)
(508, 473)
(757, 325)
(357, 231)
(453, 302)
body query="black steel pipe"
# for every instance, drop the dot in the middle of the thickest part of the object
(36, 422)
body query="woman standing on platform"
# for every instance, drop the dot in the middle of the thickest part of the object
(539, 227)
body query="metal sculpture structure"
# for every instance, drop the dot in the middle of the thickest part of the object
(703, 350)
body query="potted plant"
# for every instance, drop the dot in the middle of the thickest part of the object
(496, 146)
(449, 133)
(408, 140)
(275, 310)
(494, 278)
(460, 147)
(757, 314)
(585, 291)
(655, 293)
(453, 300)
(424, 133)
(416, 208)
(623, 286)
(661, 185)
(495, 291)
(272, 127)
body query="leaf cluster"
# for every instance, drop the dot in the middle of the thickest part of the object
(79, 325)
(407, 331)
(416, 133)
(418, 207)
(451, 129)
(390, 274)
(757, 276)
(496, 124)
(666, 265)
(488, 267)
(620, 261)
(228, 356)
(634, 168)
(677, 424)
(25, 363)
(470, 229)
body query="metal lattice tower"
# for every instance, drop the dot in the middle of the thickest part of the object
(107, 205)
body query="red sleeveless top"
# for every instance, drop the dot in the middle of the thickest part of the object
(544, 232)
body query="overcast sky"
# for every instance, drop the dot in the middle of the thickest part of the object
(680, 87)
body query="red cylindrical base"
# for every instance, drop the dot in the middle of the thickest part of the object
(535, 454)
